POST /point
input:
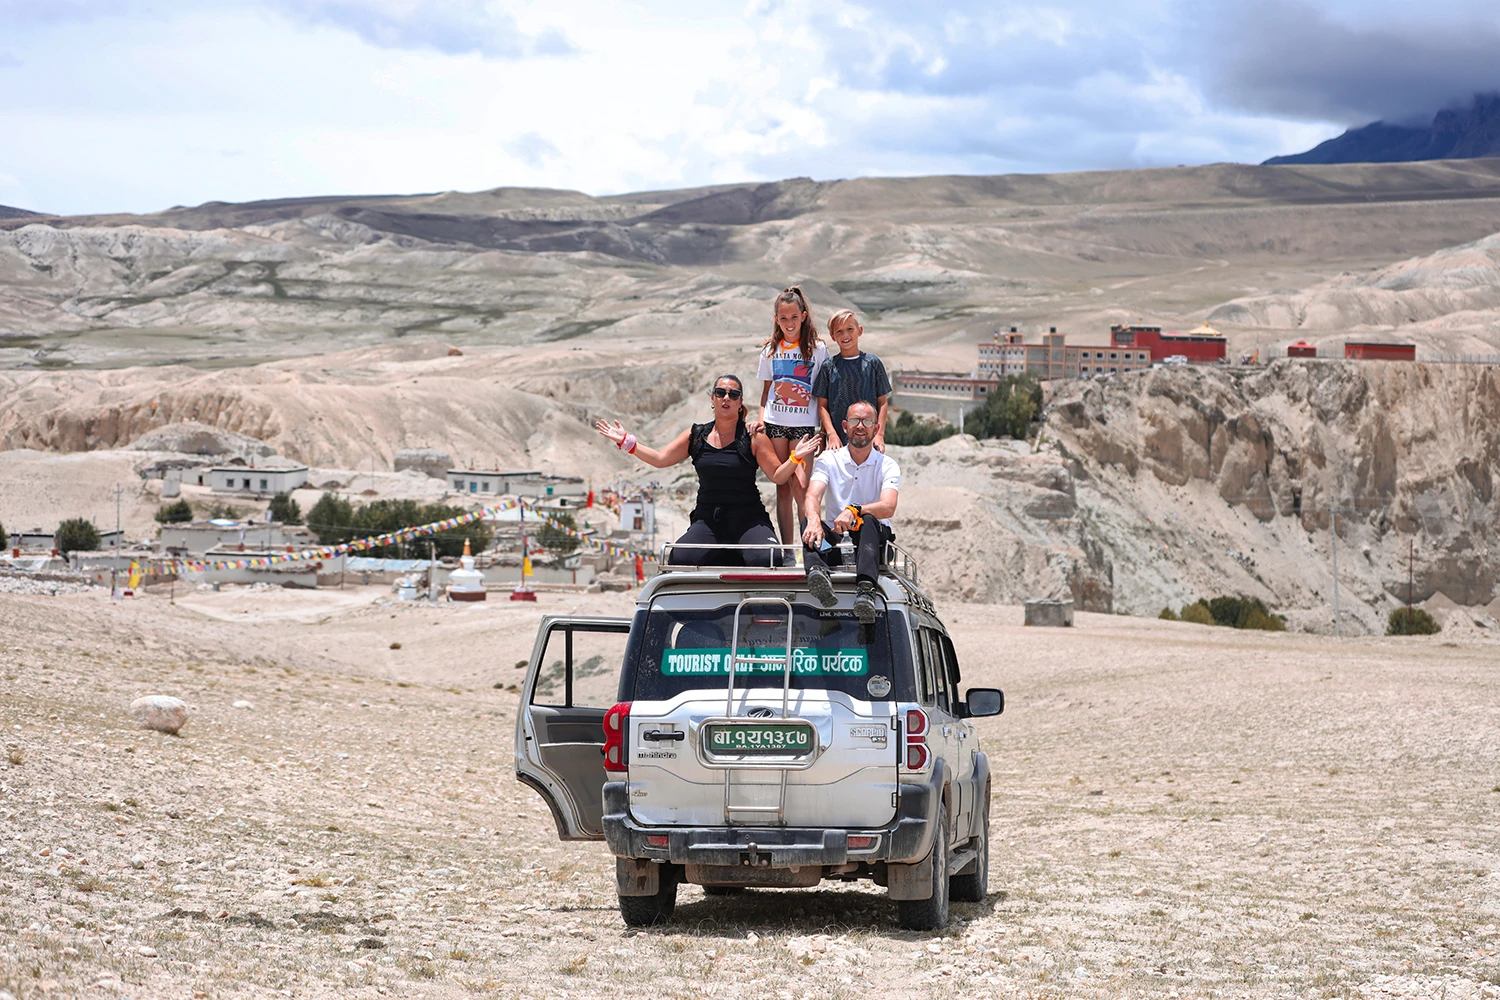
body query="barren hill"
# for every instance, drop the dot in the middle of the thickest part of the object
(935, 264)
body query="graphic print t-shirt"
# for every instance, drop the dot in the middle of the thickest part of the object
(791, 402)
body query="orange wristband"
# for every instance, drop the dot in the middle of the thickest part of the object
(859, 519)
(795, 459)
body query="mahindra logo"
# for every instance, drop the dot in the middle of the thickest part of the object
(761, 712)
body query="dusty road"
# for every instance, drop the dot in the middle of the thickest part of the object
(1178, 811)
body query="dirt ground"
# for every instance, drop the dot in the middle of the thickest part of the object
(1178, 811)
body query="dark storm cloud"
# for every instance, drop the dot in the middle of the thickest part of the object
(1293, 60)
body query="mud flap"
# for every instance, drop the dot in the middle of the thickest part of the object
(910, 881)
(634, 877)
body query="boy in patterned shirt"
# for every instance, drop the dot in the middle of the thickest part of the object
(852, 376)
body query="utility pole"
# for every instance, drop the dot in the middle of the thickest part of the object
(118, 491)
(1333, 526)
(1411, 554)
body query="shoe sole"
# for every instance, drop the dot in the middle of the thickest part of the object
(821, 587)
(865, 612)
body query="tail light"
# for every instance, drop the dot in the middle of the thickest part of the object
(916, 740)
(616, 725)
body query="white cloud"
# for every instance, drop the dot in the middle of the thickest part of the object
(329, 96)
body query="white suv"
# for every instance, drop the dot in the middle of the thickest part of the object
(812, 747)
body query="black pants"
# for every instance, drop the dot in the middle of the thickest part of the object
(702, 533)
(869, 543)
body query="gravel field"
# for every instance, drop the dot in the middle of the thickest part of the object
(1179, 811)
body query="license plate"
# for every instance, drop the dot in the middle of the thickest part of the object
(772, 739)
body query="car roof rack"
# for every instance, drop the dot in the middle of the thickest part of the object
(898, 564)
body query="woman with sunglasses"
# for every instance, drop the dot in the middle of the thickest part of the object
(726, 456)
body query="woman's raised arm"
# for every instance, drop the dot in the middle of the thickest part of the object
(659, 458)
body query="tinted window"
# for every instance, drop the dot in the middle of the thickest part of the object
(689, 651)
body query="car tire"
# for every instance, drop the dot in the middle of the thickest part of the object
(973, 887)
(723, 890)
(643, 911)
(930, 914)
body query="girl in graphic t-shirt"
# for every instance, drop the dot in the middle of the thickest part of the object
(789, 361)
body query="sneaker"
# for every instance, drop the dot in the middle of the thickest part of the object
(820, 586)
(864, 605)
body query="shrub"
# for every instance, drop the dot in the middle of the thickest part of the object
(285, 510)
(1411, 621)
(76, 535)
(1009, 409)
(1230, 612)
(174, 513)
(555, 539)
(330, 519)
(1168, 614)
(1198, 614)
(909, 432)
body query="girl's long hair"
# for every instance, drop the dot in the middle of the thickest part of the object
(807, 338)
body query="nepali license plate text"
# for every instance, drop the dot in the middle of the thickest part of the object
(780, 740)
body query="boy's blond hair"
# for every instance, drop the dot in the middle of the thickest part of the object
(839, 317)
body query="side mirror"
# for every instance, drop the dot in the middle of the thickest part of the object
(986, 701)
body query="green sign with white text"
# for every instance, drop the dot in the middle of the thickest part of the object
(806, 662)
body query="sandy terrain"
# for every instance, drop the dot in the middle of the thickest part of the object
(1178, 811)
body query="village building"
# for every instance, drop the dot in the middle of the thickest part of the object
(247, 479)
(197, 537)
(523, 483)
(1200, 345)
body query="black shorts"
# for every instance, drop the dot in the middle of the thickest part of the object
(789, 433)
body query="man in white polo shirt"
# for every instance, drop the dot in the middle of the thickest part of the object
(852, 491)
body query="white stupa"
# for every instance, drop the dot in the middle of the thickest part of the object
(466, 584)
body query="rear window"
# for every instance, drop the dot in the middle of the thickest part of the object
(831, 651)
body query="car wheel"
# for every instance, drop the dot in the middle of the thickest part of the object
(974, 886)
(930, 914)
(643, 911)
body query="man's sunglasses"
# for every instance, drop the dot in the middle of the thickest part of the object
(720, 392)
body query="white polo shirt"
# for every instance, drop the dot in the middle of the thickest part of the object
(849, 483)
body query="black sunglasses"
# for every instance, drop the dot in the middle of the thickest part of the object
(720, 392)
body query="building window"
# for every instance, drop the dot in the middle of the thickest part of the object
(262, 484)
(1113, 356)
(473, 486)
(247, 484)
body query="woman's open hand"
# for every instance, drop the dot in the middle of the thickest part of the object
(612, 430)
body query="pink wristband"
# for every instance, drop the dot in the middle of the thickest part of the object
(628, 445)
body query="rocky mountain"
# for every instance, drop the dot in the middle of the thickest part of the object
(7, 212)
(1455, 133)
(1162, 487)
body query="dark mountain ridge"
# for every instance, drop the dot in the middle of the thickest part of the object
(1455, 134)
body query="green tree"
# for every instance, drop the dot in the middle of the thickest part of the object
(554, 538)
(1008, 410)
(1411, 621)
(909, 432)
(285, 510)
(174, 513)
(76, 535)
(330, 519)
(1167, 614)
(335, 520)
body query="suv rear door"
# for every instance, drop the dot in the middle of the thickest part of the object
(571, 681)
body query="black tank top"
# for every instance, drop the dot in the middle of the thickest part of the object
(726, 476)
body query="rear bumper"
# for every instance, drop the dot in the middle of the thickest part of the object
(906, 839)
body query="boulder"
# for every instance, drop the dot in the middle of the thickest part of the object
(1051, 613)
(161, 712)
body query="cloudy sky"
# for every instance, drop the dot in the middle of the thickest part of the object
(136, 105)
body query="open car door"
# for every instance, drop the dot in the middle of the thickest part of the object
(571, 681)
